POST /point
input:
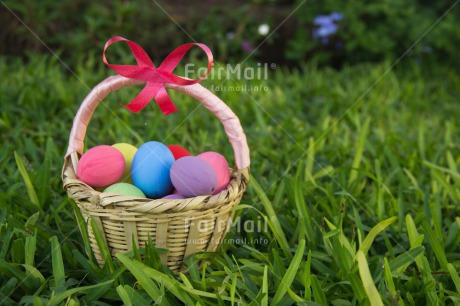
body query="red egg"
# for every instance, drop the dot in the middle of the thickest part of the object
(101, 166)
(220, 166)
(178, 151)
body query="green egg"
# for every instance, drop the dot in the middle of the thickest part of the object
(125, 189)
(128, 152)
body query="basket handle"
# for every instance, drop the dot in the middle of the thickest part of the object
(229, 120)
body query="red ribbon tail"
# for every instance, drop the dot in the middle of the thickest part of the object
(164, 102)
(143, 98)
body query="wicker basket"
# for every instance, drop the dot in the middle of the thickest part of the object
(183, 227)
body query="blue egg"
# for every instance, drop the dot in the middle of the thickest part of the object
(150, 169)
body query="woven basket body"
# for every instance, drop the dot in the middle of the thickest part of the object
(183, 227)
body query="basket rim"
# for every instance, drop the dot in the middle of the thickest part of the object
(78, 190)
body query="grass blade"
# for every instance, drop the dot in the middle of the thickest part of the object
(359, 153)
(34, 275)
(10, 270)
(307, 277)
(389, 278)
(139, 272)
(368, 283)
(178, 289)
(57, 263)
(83, 226)
(454, 275)
(304, 217)
(429, 284)
(289, 276)
(66, 294)
(367, 242)
(357, 286)
(124, 295)
(25, 176)
(30, 247)
(310, 158)
(189, 285)
(264, 289)
(277, 230)
(318, 292)
(102, 243)
(406, 258)
(133, 295)
(435, 245)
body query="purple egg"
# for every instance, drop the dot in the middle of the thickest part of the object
(173, 197)
(192, 176)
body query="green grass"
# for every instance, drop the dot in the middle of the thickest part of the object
(362, 205)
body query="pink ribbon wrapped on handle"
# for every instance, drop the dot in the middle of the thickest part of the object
(156, 78)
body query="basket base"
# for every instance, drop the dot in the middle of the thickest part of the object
(182, 236)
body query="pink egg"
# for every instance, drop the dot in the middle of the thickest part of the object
(220, 165)
(173, 197)
(192, 176)
(101, 166)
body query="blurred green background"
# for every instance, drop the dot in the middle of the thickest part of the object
(298, 31)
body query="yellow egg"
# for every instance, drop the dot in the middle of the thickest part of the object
(128, 152)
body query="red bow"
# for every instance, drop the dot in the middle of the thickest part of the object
(156, 78)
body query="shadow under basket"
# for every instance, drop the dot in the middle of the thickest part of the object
(183, 227)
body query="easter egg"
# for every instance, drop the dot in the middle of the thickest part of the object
(192, 176)
(173, 197)
(220, 165)
(178, 151)
(128, 152)
(150, 169)
(101, 166)
(125, 189)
